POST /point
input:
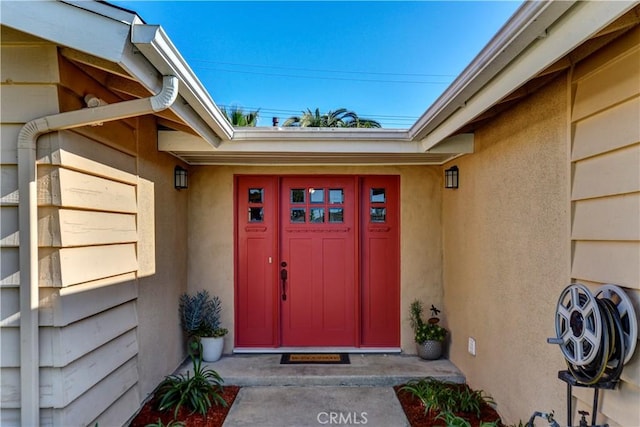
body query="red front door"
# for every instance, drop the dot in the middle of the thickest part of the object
(318, 259)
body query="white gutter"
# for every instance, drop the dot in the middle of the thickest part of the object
(158, 49)
(28, 223)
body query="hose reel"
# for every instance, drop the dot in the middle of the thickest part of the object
(597, 333)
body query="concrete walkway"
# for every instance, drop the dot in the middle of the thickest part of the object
(356, 394)
(289, 406)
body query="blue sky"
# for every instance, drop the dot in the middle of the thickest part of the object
(384, 60)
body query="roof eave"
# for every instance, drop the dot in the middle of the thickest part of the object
(118, 36)
(311, 147)
(50, 20)
(527, 44)
(158, 49)
(527, 23)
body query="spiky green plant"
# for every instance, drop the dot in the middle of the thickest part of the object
(172, 423)
(198, 392)
(452, 420)
(444, 396)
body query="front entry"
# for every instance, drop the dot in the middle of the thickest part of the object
(317, 270)
(317, 261)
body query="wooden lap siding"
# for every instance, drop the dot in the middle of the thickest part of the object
(87, 258)
(605, 195)
(29, 90)
(88, 237)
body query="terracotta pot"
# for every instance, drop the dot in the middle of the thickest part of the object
(211, 348)
(430, 350)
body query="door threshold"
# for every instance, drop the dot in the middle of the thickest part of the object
(352, 350)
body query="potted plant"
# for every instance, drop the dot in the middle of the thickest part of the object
(429, 335)
(200, 320)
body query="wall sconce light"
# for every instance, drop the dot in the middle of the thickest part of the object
(451, 177)
(180, 178)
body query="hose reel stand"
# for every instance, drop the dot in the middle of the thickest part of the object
(597, 335)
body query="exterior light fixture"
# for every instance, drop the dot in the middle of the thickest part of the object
(451, 177)
(180, 178)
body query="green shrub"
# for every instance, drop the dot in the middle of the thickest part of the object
(172, 423)
(452, 420)
(198, 392)
(447, 397)
(425, 331)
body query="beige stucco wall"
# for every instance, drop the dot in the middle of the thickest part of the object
(163, 238)
(211, 219)
(506, 254)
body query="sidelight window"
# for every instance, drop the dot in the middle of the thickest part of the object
(256, 204)
(378, 209)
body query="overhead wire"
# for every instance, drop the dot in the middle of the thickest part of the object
(386, 120)
(347, 79)
(323, 70)
(288, 113)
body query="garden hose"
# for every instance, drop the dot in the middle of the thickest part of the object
(596, 334)
(608, 362)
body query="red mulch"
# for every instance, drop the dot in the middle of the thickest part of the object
(414, 410)
(214, 417)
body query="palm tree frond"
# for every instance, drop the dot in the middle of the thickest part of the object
(237, 116)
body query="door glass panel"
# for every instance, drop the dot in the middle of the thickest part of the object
(378, 195)
(298, 214)
(336, 215)
(378, 214)
(336, 196)
(297, 195)
(316, 195)
(316, 215)
(256, 195)
(256, 215)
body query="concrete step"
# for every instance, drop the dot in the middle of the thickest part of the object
(364, 370)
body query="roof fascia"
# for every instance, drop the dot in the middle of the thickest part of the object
(566, 33)
(154, 44)
(105, 9)
(329, 143)
(318, 134)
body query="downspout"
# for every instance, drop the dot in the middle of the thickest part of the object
(28, 223)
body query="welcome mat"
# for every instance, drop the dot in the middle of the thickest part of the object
(315, 358)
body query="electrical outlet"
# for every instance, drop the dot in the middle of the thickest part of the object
(472, 346)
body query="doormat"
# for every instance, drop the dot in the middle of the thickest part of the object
(315, 358)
